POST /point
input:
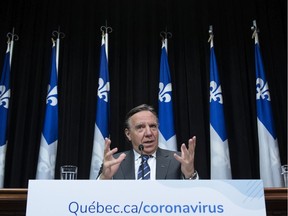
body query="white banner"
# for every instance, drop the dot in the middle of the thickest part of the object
(130, 197)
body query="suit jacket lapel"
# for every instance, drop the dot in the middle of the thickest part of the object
(128, 165)
(162, 164)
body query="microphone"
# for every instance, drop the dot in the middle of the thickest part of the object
(141, 148)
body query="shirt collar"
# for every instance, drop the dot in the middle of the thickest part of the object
(137, 156)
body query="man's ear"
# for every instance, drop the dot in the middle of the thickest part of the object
(127, 133)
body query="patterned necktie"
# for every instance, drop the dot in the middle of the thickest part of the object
(144, 169)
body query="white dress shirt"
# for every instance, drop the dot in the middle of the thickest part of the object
(151, 162)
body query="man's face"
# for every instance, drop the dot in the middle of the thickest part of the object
(143, 129)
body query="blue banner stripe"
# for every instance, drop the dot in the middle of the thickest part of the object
(166, 118)
(5, 98)
(102, 114)
(217, 118)
(50, 128)
(263, 102)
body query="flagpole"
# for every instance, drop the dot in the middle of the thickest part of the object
(211, 36)
(58, 34)
(167, 135)
(5, 90)
(49, 136)
(106, 30)
(269, 157)
(219, 148)
(101, 130)
(165, 35)
(11, 38)
(255, 32)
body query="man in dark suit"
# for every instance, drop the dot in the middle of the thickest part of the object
(141, 129)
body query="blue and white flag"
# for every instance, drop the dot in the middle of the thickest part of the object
(49, 136)
(4, 109)
(219, 149)
(167, 136)
(102, 115)
(270, 165)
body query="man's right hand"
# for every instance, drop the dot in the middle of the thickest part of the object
(110, 164)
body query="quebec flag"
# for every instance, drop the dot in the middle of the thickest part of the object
(270, 165)
(219, 150)
(4, 108)
(167, 136)
(49, 136)
(102, 115)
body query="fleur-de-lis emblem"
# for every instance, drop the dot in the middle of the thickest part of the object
(164, 92)
(262, 90)
(215, 92)
(4, 96)
(52, 96)
(103, 89)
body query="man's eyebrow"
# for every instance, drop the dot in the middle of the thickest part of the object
(144, 123)
(139, 124)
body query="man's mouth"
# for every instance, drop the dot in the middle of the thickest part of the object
(148, 142)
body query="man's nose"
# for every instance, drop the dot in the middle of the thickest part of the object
(148, 131)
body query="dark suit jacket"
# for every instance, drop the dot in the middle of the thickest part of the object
(167, 167)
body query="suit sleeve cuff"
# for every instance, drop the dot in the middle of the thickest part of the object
(194, 176)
